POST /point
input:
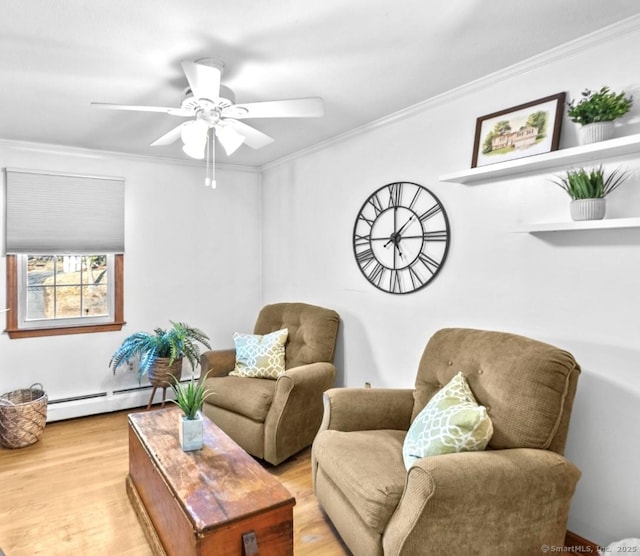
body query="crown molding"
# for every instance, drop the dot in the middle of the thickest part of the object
(565, 50)
(81, 152)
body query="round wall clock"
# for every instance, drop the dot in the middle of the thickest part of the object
(401, 237)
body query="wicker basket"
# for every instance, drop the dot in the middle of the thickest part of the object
(163, 375)
(23, 415)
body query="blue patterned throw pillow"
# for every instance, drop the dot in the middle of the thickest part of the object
(260, 356)
(451, 422)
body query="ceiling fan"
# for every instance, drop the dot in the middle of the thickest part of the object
(212, 111)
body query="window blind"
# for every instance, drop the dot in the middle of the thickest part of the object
(68, 214)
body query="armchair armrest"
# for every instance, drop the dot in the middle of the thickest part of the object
(352, 409)
(296, 410)
(217, 362)
(471, 500)
(314, 375)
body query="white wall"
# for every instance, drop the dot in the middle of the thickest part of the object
(575, 290)
(192, 255)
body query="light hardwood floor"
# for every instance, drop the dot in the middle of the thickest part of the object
(65, 495)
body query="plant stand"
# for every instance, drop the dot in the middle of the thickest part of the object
(153, 393)
(162, 375)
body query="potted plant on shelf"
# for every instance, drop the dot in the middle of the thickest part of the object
(596, 111)
(588, 190)
(160, 354)
(189, 398)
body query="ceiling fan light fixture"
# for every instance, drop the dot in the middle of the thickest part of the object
(194, 132)
(194, 137)
(194, 151)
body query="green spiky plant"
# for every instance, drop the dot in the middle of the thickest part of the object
(190, 396)
(181, 340)
(591, 184)
(599, 106)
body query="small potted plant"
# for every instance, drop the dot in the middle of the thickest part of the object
(596, 111)
(588, 190)
(159, 354)
(190, 397)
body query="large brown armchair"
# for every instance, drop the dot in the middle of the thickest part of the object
(511, 498)
(274, 419)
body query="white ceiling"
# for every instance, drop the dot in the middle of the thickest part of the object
(365, 58)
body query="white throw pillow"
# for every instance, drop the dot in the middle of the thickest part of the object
(451, 422)
(260, 356)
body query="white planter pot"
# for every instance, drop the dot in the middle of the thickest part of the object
(595, 132)
(191, 433)
(588, 209)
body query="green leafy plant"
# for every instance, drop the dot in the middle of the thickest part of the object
(599, 106)
(181, 340)
(190, 396)
(591, 184)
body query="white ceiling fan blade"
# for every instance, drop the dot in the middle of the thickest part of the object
(170, 136)
(204, 80)
(229, 137)
(252, 137)
(293, 108)
(163, 109)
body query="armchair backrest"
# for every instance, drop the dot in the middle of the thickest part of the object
(313, 331)
(527, 386)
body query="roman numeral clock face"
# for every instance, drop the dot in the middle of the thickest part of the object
(401, 237)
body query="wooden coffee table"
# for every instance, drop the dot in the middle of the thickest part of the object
(217, 500)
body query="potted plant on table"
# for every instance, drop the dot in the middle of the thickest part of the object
(189, 398)
(596, 111)
(588, 190)
(160, 354)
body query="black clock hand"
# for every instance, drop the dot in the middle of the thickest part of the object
(395, 227)
(392, 239)
(396, 236)
(403, 227)
(397, 246)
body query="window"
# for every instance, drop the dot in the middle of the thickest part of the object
(60, 294)
(64, 245)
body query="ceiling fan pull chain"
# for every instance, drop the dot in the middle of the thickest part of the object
(207, 179)
(211, 161)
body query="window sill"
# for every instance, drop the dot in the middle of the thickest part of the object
(39, 332)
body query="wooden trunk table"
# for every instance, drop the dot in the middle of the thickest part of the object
(217, 500)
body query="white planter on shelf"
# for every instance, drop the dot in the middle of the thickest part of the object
(588, 209)
(191, 432)
(595, 132)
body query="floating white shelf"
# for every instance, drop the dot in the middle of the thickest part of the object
(605, 224)
(544, 162)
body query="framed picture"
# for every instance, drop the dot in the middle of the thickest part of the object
(524, 130)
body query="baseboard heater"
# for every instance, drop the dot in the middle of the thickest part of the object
(132, 389)
(100, 395)
(77, 398)
(99, 402)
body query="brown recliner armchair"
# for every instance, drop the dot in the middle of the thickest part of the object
(511, 498)
(274, 419)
